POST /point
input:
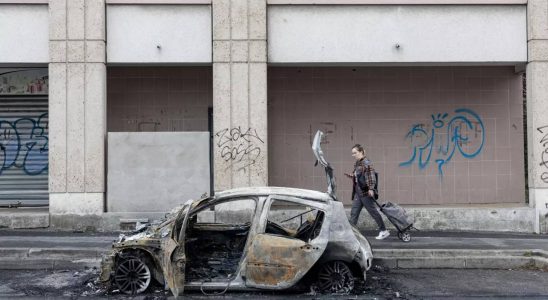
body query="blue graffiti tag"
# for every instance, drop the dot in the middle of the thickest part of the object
(24, 145)
(446, 142)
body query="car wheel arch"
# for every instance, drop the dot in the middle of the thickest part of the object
(331, 256)
(145, 254)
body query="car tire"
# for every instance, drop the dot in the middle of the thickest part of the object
(132, 275)
(335, 277)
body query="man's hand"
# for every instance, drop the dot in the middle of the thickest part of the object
(371, 193)
(349, 175)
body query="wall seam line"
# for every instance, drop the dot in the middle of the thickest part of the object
(248, 90)
(85, 102)
(66, 97)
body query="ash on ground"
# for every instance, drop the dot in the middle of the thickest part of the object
(79, 284)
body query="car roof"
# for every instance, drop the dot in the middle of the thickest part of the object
(272, 190)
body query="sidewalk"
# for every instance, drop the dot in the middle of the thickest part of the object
(43, 249)
(461, 250)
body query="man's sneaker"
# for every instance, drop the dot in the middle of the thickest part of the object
(383, 234)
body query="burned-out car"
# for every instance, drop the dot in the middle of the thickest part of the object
(247, 238)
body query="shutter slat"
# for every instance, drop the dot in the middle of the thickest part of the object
(24, 137)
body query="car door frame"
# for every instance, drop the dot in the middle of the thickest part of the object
(174, 260)
(236, 280)
(278, 273)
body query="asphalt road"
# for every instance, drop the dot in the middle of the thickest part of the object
(420, 240)
(381, 284)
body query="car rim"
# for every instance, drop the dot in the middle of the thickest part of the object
(406, 237)
(336, 277)
(132, 276)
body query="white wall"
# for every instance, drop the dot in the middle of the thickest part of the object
(24, 34)
(156, 171)
(368, 34)
(182, 31)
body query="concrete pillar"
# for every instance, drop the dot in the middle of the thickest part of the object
(537, 109)
(77, 110)
(239, 93)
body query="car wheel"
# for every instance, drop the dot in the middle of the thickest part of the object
(335, 277)
(132, 276)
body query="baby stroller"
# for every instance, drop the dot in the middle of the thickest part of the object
(399, 218)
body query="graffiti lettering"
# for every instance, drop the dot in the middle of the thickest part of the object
(241, 149)
(464, 133)
(544, 177)
(543, 158)
(24, 145)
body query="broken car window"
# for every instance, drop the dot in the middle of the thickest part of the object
(294, 220)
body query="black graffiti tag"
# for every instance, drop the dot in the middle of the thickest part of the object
(544, 154)
(238, 147)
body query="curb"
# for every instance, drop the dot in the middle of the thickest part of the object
(50, 258)
(66, 258)
(48, 264)
(460, 259)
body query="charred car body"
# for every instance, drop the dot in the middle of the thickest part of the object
(248, 238)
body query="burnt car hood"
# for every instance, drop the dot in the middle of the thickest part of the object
(144, 236)
(151, 234)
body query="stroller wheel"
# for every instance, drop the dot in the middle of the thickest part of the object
(404, 236)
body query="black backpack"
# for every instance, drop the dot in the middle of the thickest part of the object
(376, 188)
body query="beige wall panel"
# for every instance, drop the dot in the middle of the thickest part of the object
(158, 98)
(379, 107)
(75, 19)
(257, 20)
(537, 92)
(75, 127)
(238, 20)
(537, 24)
(95, 127)
(239, 104)
(58, 16)
(57, 128)
(239, 89)
(258, 169)
(95, 20)
(221, 125)
(221, 20)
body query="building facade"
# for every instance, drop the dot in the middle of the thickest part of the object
(115, 111)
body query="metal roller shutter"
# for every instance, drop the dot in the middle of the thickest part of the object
(23, 150)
